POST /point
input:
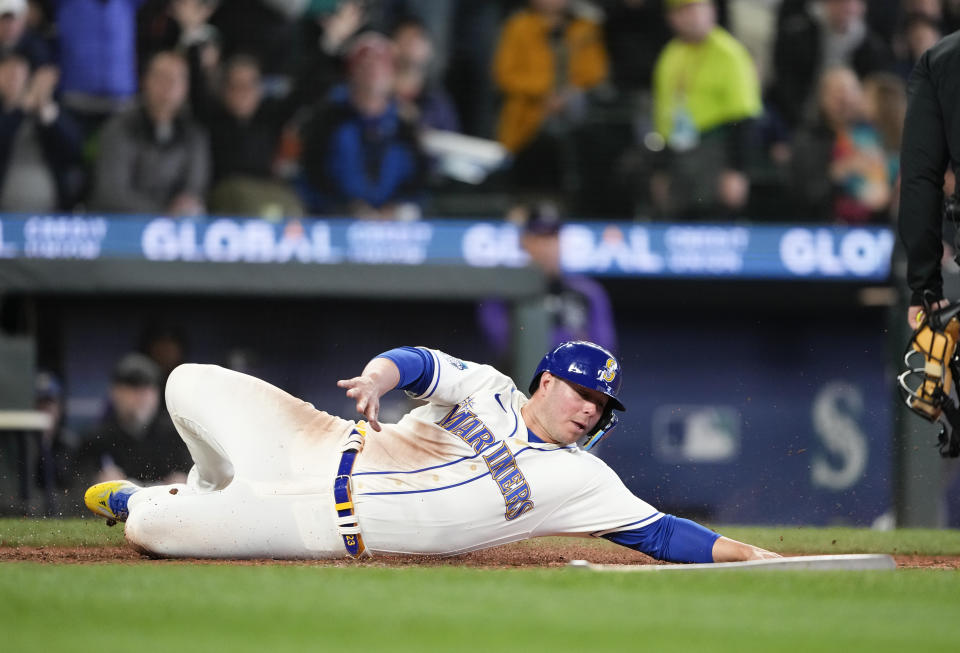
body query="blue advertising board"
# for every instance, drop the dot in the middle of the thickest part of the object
(621, 249)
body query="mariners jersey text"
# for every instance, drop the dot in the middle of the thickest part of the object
(464, 424)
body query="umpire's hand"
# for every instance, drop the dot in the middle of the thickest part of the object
(915, 313)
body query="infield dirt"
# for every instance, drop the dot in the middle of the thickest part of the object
(521, 554)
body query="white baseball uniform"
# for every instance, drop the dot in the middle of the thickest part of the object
(460, 473)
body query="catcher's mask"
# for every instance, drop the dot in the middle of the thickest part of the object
(590, 366)
(927, 386)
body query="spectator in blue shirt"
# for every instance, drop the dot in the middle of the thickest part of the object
(98, 57)
(360, 155)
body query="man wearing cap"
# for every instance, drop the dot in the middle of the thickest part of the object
(130, 441)
(17, 37)
(706, 95)
(577, 307)
(477, 465)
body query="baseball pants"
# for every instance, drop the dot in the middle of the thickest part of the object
(262, 480)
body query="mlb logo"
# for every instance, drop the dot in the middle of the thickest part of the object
(696, 434)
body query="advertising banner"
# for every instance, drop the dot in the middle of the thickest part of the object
(797, 252)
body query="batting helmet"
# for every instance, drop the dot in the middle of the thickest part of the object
(590, 366)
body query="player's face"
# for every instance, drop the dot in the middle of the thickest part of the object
(570, 411)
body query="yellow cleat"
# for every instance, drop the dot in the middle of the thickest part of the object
(109, 499)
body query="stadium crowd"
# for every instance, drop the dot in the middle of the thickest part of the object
(677, 109)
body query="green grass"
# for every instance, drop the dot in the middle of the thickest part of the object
(792, 539)
(287, 608)
(171, 606)
(58, 532)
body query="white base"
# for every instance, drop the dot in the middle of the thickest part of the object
(854, 562)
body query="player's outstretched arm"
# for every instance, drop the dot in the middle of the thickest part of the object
(675, 539)
(380, 376)
(727, 550)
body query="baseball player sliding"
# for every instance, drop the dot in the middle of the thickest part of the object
(476, 466)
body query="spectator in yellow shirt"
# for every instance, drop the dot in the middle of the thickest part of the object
(706, 95)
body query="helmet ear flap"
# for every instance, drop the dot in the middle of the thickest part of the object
(535, 382)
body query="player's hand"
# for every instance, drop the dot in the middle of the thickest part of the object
(756, 553)
(380, 376)
(366, 391)
(914, 311)
(727, 550)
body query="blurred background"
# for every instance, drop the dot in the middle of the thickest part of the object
(709, 188)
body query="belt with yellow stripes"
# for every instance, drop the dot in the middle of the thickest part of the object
(347, 523)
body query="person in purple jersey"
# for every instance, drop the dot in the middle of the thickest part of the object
(578, 307)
